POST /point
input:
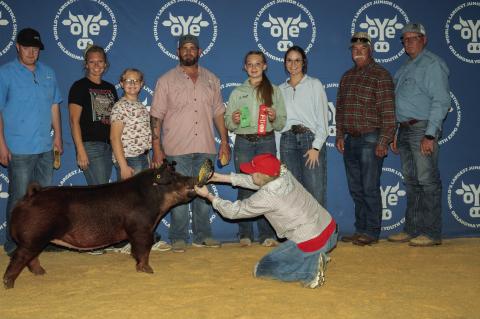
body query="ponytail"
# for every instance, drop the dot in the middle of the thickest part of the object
(265, 91)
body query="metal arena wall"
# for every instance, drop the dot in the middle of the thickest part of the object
(143, 35)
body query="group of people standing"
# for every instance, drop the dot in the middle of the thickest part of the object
(187, 105)
(407, 112)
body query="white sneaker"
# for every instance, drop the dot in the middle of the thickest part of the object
(123, 250)
(245, 242)
(270, 242)
(97, 252)
(161, 246)
(208, 242)
(319, 279)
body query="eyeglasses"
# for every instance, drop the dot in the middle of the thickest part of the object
(411, 39)
(362, 40)
(132, 81)
(297, 61)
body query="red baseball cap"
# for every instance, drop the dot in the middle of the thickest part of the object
(266, 164)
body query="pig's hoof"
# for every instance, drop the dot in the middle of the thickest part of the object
(8, 283)
(145, 268)
(38, 271)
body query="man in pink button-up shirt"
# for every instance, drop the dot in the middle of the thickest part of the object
(187, 103)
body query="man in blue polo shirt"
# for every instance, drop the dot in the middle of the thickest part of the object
(29, 109)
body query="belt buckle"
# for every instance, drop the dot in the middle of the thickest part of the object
(249, 137)
(298, 129)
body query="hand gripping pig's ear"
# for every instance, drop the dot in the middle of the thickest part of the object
(205, 173)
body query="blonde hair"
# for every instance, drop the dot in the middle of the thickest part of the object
(93, 48)
(140, 73)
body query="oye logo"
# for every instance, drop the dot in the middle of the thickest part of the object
(77, 29)
(463, 197)
(285, 29)
(84, 26)
(382, 20)
(381, 30)
(471, 196)
(184, 17)
(393, 199)
(469, 30)
(180, 26)
(462, 32)
(298, 27)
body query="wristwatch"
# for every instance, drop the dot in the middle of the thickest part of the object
(316, 149)
(429, 137)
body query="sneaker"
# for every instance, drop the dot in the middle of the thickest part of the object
(319, 279)
(401, 237)
(178, 246)
(126, 249)
(117, 245)
(270, 242)
(96, 252)
(245, 242)
(424, 241)
(52, 248)
(161, 246)
(208, 242)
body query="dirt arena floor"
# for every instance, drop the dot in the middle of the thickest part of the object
(382, 281)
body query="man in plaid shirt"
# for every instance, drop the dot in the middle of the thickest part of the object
(365, 120)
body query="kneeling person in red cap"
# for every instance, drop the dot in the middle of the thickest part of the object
(293, 213)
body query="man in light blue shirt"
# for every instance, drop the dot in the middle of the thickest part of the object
(422, 97)
(29, 109)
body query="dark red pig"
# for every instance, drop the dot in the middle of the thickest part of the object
(91, 217)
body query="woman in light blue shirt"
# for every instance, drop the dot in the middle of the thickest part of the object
(302, 145)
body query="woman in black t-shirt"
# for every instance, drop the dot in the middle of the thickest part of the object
(90, 102)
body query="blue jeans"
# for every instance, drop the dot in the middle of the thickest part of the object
(363, 169)
(292, 150)
(244, 151)
(100, 168)
(189, 165)
(138, 163)
(22, 170)
(288, 263)
(422, 181)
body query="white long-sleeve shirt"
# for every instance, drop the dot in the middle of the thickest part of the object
(307, 105)
(291, 210)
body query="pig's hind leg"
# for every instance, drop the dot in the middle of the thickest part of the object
(35, 267)
(21, 258)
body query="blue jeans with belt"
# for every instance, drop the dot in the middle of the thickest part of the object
(363, 169)
(292, 150)
(422, 180)
(22, 170)
(244, 151)
(100, 158)
(189, 165)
